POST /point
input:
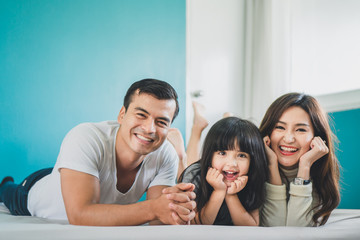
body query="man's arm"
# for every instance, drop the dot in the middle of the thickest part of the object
(81, 194)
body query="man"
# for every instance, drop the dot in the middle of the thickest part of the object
(104, 168)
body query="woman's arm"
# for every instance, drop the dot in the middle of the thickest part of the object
(274, 210)
(301, 199)
(274, 174)
(299, 206)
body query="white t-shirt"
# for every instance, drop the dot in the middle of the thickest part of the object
(90, 148)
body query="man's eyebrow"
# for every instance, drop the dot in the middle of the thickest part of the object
(298, 124)
(141, 109)
(162, 118)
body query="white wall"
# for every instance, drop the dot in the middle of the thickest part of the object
(282, 46)
(215, 39)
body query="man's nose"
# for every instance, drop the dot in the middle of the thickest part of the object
(149, 126)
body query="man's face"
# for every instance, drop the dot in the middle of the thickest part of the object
(145, 124)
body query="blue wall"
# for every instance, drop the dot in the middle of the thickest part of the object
(63, 62)
(347, 129)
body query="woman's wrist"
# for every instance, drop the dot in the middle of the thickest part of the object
(274, 175)
(304, 171)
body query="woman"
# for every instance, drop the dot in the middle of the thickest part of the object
(303, 185)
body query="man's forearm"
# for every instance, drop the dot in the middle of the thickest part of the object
(113, 214)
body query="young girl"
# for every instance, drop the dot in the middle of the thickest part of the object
(303, 185)
(230, 175)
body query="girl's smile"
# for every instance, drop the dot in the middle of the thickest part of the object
(230, 175)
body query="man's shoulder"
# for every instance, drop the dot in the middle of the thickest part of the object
(105, 127)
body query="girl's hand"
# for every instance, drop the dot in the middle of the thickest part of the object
(215, 179)
(270, 153)
(237, 185)
(318, 149)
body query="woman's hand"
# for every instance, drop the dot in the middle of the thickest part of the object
(318, 150)
(271, 155)
(237, 185)
(274, 174)
(215, 179)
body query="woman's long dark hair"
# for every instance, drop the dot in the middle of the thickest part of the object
(325, 171)
(222, 136)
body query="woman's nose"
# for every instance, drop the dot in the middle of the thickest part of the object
(289, 137)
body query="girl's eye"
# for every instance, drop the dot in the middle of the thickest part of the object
(301, 130)
(222, 153)
(242, 155)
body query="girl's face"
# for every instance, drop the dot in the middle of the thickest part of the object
(292, 136)
(231, 164)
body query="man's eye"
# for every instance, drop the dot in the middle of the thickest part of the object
(163, 124)
(141, 115)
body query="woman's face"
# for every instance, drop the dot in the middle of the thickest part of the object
(292, 136)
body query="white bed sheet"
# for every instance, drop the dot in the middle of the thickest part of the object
(343, 224)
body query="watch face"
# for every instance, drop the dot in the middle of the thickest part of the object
(298, 181)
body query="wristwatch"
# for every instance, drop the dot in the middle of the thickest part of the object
(300, 181)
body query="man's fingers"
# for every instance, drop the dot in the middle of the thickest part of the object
(181, 197)
(187, 218)
(183, 208)
(179, 188)
(177, 219)
(179, 209)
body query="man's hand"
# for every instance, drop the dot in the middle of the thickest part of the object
(182, 202)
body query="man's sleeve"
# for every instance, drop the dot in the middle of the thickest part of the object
(167, 167)
(80, 151)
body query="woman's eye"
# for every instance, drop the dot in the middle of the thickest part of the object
(280, 127)
(301, 130)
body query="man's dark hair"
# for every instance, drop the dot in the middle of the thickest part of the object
(157, 88)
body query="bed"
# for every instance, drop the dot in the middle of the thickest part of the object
(343, 224)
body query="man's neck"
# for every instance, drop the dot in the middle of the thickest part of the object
(126, 159)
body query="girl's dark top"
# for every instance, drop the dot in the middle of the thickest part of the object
(192, 175)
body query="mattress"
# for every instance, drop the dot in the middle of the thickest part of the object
(342, 224)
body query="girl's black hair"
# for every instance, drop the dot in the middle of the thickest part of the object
(222, 136)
